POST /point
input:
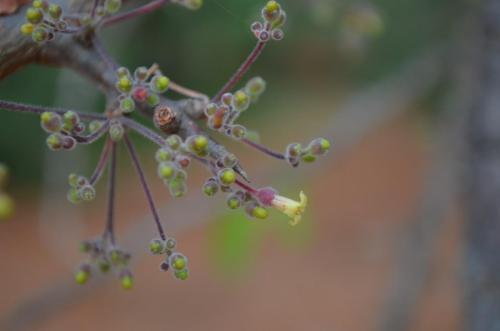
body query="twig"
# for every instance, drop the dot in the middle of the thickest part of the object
(109, 231)
(148, 8)
(25, 108)
(145, 186)
(103, 160)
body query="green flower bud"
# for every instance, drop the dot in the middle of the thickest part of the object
(233, 202)
(163, 155)
(260, 213)
(116, 131)
(171, 243)
(182, 275)
(127, 105)
(51, 122)
(27, 29)
(104, 265)
(127, 282)
(227, 176)
(39, 35)
(124, 84)
(71, 119)
(210, 188)
(229, 160)
(241, 101)
(83, 274)
(157, 246)
(238, 132)
(6, 207)
(177, 188)
(73, 180)
(55, 11)
(34, 15)
(94, 126)
(40, 4)
(255, 87)
(122, 72)
(178, 261)
(55, 141)
(166, 170)
(85, 246)
(153, 100)
(319, 146)
(160, 84)
(87, 193)
(73, 196)
(308, 158)
(174, 142)
(112, 6)
(211, 109)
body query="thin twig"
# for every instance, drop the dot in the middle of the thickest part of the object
(103, 160)
(145, 186)
(144, 131)
(25, 108)
(111, 196)
(188, 92)
(242, 70)
(148, 8)
(263, 149)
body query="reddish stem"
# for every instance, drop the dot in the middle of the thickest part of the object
(147, 8)
(242, 70)
(263, 149)
(111, 196)
(103, 160)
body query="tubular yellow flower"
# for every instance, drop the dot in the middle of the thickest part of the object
(291, 208)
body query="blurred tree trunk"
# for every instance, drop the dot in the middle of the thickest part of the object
(482, 264)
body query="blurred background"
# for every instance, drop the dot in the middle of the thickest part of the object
(382, 244)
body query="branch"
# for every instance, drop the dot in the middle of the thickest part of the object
(148, 8)
(25, 108)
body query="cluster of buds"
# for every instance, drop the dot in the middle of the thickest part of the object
(62, 129)
(80, 189)
(143, 87)
(6, 202)
(175, 262)
(222, 116)
(174, 159)
(274, 18)
(104, 257)
(295, 153)
(44, 20)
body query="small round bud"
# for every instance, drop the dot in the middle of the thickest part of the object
(112, 6)
(79, 127)
(233, 201)
(164, 266)
(177, 188)
(156, 246)
(94, 126)
(183, 161)
(166, 170)
(160, 84)
(116, 131)
(70, 119)
(86, 246)
(271, 11)
(255, 211)
(227, 99)
(210, 188)
(293, 150)
(6, 206)
(104, 265)
(126, 280)
(264, 36)
(87, 193)
(127, 105)
(140, 94)
(73, 180)
(241, 101)
(83, 274)
(141, 73)
(277, 34)
(174, 142)
(122, 72)
(69, 143)
(153, 100)
(198, 145)
(280, 21)
(255, 87)
(256, 26)
(171, 243)
(34, 15)
(27, 29)
(163, 155)
(124, 84)
(51, 122)
(40, 4)
(178, 261)
(238, 132)
(308, 158)
(319, 146)
(211, 109)
(182, 275)
(55, 11)
(229, 160)
(55, 141)
(227, 176)
(100, 11)
(73, 196)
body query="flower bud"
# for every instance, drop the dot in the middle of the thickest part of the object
(69, 143)
(178, 261)
(163, 155)
(160, 84)
(55, 11)
(177, 188)
(122, 72)
(34, 15)
(319, 146)
(55, 141)
(51, 122)
(94, 126)
(182, 275)
(127, 105)
(255, 87)
(166, 170)
(73, 196)
(183, 161)
(70, 119)
(40, 4)
(171, 243)
(271, 11)
(233, 201)
(229, 160)
(153, 100)
(87, 193)
(116, 131)
(156, 246)
(140, 94)
(241, 101)
(126, 280)
(39, 35)
(227, 176)
(83, 274)
(141, 73)
(254, 210)
(227, 99)
(124, 84)
(112, 6)
(103, 265)
(174, 142)
(27, 29)
(211, 109)
(238, 132)
(210, 188)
